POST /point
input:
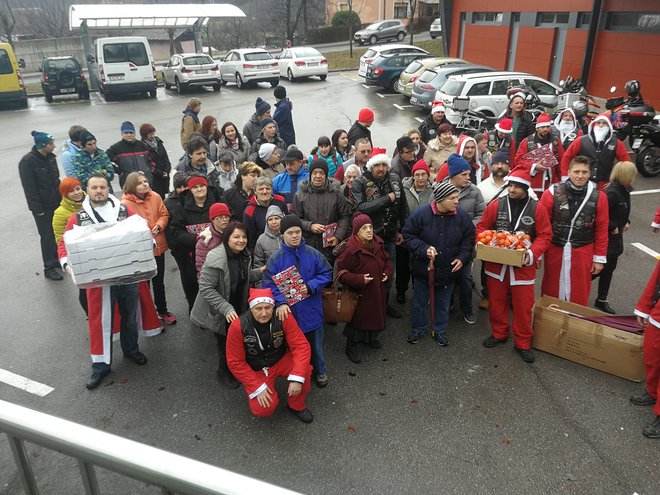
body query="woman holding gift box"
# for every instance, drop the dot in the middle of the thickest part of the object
(139, 197)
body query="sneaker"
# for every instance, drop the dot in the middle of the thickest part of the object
(469, 318)
(401, 297)
(442, 340)
(484, 303)
(652, 430)
(305, 415)
(491, 342)
(167, 318)
(527, 355)
(53, 274)
(643, 399)
(412, 339)
(322, 380)
(353, 353)
(392, 312)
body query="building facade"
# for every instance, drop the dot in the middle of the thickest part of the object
(550, 39)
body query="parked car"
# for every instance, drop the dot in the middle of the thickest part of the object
(125, 65)
(417, 68)
(381, 31)
(424, 88)
(63, 76)
(302, 61)
(191, 69)
(12, 87)
(385, 51)
(246, 66)
(487, 91)
(436, 28)
(385, 71)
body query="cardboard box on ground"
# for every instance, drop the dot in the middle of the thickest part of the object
(585, 342)
(115, 253)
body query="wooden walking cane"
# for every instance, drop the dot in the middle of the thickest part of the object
(432, 292)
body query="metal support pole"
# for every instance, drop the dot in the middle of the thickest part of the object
(90, 59)
(446, 12)
(23, 465)
(197, 34)
(88, 476)
(591, 40)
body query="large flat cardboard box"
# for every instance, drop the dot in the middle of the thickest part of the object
(590, 344)
(500, 255)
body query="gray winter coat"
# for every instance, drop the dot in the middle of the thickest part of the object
(324, 207)
(413, 198)
(239, 155)
(471, 201)
(266, 245)
(252, 130)
(212, 303)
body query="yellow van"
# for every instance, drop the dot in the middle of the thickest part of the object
(12, 88)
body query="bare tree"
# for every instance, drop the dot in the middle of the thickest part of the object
(8, 21)
(50, 19)
(412, 7)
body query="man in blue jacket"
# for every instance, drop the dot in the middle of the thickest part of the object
(316, 273)
(287, 183)
(442, 235)
(283, 116)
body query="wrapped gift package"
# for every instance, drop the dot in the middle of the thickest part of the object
(585, 342)
(111, 253)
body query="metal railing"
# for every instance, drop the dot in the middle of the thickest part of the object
(90, 447)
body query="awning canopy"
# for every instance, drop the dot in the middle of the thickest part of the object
(175, 15)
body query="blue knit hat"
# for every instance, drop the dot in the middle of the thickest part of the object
(267, 121)
(41, 139)
(261, 106)
(502, 156)
(457, 164)
(127, 127)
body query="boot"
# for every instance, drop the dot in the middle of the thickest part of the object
(604, 306)
(352, 352)
(224, 375)
(652, 430)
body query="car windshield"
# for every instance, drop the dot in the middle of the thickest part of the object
(369, 53)
(65, 64)
(427, 76)
(134, 53)
(413, 67)
(306, 51)
(5, 63)
(197, 60)
(452, 87)
(251, 57)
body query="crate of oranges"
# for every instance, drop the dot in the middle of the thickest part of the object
(501, 246)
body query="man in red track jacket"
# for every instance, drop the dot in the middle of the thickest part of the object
(508, 286)
(648, 316)
(261, 348)
(579, 215)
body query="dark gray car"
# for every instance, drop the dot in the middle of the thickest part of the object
(381, 31)
(424, 88)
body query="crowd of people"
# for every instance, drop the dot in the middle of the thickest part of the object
(245, 214)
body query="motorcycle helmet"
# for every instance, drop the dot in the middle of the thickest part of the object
(632, 87)
(568, 82)
(580, 108)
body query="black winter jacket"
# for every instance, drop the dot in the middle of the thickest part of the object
(131, 157)
(358, 131)
(187, 220)
(429, 129)
(40, 178)
(618, 199)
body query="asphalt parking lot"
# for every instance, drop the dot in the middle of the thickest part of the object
(408, 419)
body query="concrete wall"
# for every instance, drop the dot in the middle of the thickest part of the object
(34, 51)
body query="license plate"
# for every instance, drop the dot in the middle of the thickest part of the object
(312, 64)
(68, 90)
(637, 143)
(116, 78)
(413, 99)
(201, 71)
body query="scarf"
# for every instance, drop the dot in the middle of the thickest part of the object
(438, 213)
(151, 143)
(189, 113)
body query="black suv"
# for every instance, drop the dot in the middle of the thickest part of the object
(63, 76)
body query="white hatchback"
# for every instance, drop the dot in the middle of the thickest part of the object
(302, 61)
(249, 65)
(191, 69)
(384, 51)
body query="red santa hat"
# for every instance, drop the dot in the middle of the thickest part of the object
(544, 120)
(437, 106)
(521, 177)
(378, 155)
(258, 296)
(505, 125)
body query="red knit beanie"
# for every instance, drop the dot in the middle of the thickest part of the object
(196, 180)
(218, 210)
(420, 165)
(366, 115)
(359, 221)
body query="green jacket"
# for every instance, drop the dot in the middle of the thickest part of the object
(85, 165)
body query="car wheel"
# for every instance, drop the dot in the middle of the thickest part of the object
(152, 93)
(216, 87)
(373, 39)
(323, 77)
(179, 86)
(49, 97)
(274, 82)
(400, 36)
(394, 85)
(239, 81)
(289, 75)
(224, 83)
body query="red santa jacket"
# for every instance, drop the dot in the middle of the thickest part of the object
(648, 306)
(524, 275)
(253, 380)
(540, 180)
(656, 220)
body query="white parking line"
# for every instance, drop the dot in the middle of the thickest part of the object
(367, 86)
(646, 250)
(648, 191)
(383, 95)
(23, 383)
(419, 120)
(401, 107)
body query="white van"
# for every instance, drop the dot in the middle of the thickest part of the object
(125, 65)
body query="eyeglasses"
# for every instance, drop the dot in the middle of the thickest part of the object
(406, 151)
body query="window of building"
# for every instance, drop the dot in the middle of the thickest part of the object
(343, 7)
(487, 17)
(551, 18)
(400, 10)
(633, 21)
(583, 20)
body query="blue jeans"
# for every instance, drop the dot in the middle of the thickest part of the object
(126, 297)
(465, 285)
(420, 308)
(315, 339)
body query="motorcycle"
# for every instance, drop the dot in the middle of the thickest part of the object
(574, 95)
(472, 122)
(648, 152)
(628, 115)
